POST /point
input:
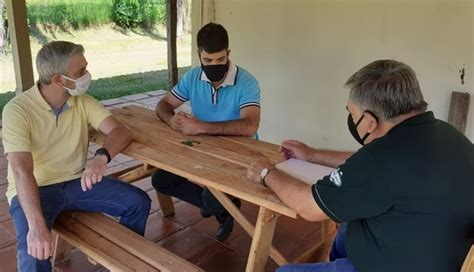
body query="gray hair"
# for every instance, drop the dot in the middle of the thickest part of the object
(386, 88)
(53, 58)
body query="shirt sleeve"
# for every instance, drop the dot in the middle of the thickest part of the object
(354, 190)
(181, 90)
(96, 112)
(16, 130)
(250, 94)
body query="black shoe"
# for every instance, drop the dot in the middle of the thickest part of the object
(226, 222)
(226, 225)
(205, 213)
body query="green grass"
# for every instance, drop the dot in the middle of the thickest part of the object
(113, 87)
(65, 13)
(86, 13)
(118, 86)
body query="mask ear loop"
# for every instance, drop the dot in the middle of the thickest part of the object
(376, 119)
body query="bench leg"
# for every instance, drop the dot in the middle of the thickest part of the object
(262, 240)
(62, 250)
(166, 204)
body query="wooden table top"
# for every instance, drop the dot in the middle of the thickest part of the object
(218, 162)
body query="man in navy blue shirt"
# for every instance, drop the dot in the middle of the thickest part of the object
(225, 100)
(405, 198)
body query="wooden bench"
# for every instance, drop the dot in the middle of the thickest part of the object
(112, 245)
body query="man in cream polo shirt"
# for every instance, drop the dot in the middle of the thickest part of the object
(45, 136)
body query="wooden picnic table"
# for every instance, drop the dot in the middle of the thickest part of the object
(217, 162)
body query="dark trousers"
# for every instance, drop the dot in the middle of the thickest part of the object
(173, 185)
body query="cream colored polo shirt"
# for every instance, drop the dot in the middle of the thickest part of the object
(58, 143)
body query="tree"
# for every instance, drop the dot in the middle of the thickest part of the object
(2, 35)
(183, 13)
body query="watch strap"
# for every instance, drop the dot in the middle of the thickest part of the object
(105, 152)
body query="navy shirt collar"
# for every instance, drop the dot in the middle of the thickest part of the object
(420, 119)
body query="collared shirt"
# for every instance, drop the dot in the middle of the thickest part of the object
(408, 198)
(238, 90)
(57, 139)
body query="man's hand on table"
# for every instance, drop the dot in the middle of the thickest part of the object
(295, 149)
(94, 171)
(256, 167)
(175, 121)
(186, 124)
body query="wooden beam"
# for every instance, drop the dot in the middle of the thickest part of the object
(20, 40)
(245, 223)
(262, 240)
(459, 110)
(171, 22)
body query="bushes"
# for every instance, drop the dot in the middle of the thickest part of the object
(85, 13)
(133, 13)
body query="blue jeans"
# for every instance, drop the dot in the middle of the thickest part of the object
(109, 196)
(339, 262)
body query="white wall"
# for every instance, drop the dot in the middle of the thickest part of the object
(303, 51)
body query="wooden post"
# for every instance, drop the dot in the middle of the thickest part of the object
(171, 21)
(245, 223)
(20, 40)
(262, 240)
(459, 110)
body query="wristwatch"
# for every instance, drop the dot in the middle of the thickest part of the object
(264, 174)
(103, 151)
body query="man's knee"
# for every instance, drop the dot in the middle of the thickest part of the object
(163, 181)
(141, 200)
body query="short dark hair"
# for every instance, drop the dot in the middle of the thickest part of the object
(387, 88)
(212, 38)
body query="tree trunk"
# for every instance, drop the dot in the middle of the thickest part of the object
(2, 35)
(183, 11)
(179, 23)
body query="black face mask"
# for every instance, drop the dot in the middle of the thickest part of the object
(353, 129)
(215, 73)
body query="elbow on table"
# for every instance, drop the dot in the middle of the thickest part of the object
(312, 216)
(127, 135)
(251, 131)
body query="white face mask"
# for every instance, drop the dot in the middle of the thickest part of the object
(82, 84)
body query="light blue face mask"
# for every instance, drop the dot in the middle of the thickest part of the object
(82, 84)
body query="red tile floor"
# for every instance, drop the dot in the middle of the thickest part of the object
(186, 233)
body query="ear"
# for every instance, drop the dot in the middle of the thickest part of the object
(57, 79)
(228, 52)
(373, 124)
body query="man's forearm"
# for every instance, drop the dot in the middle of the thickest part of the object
(241, 127)
(329, 158)
(117, 140)
(164, 111)
(28, 196)
(295, 194)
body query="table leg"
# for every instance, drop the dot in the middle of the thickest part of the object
(262, 240)
(166, 204)
(245, 223)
